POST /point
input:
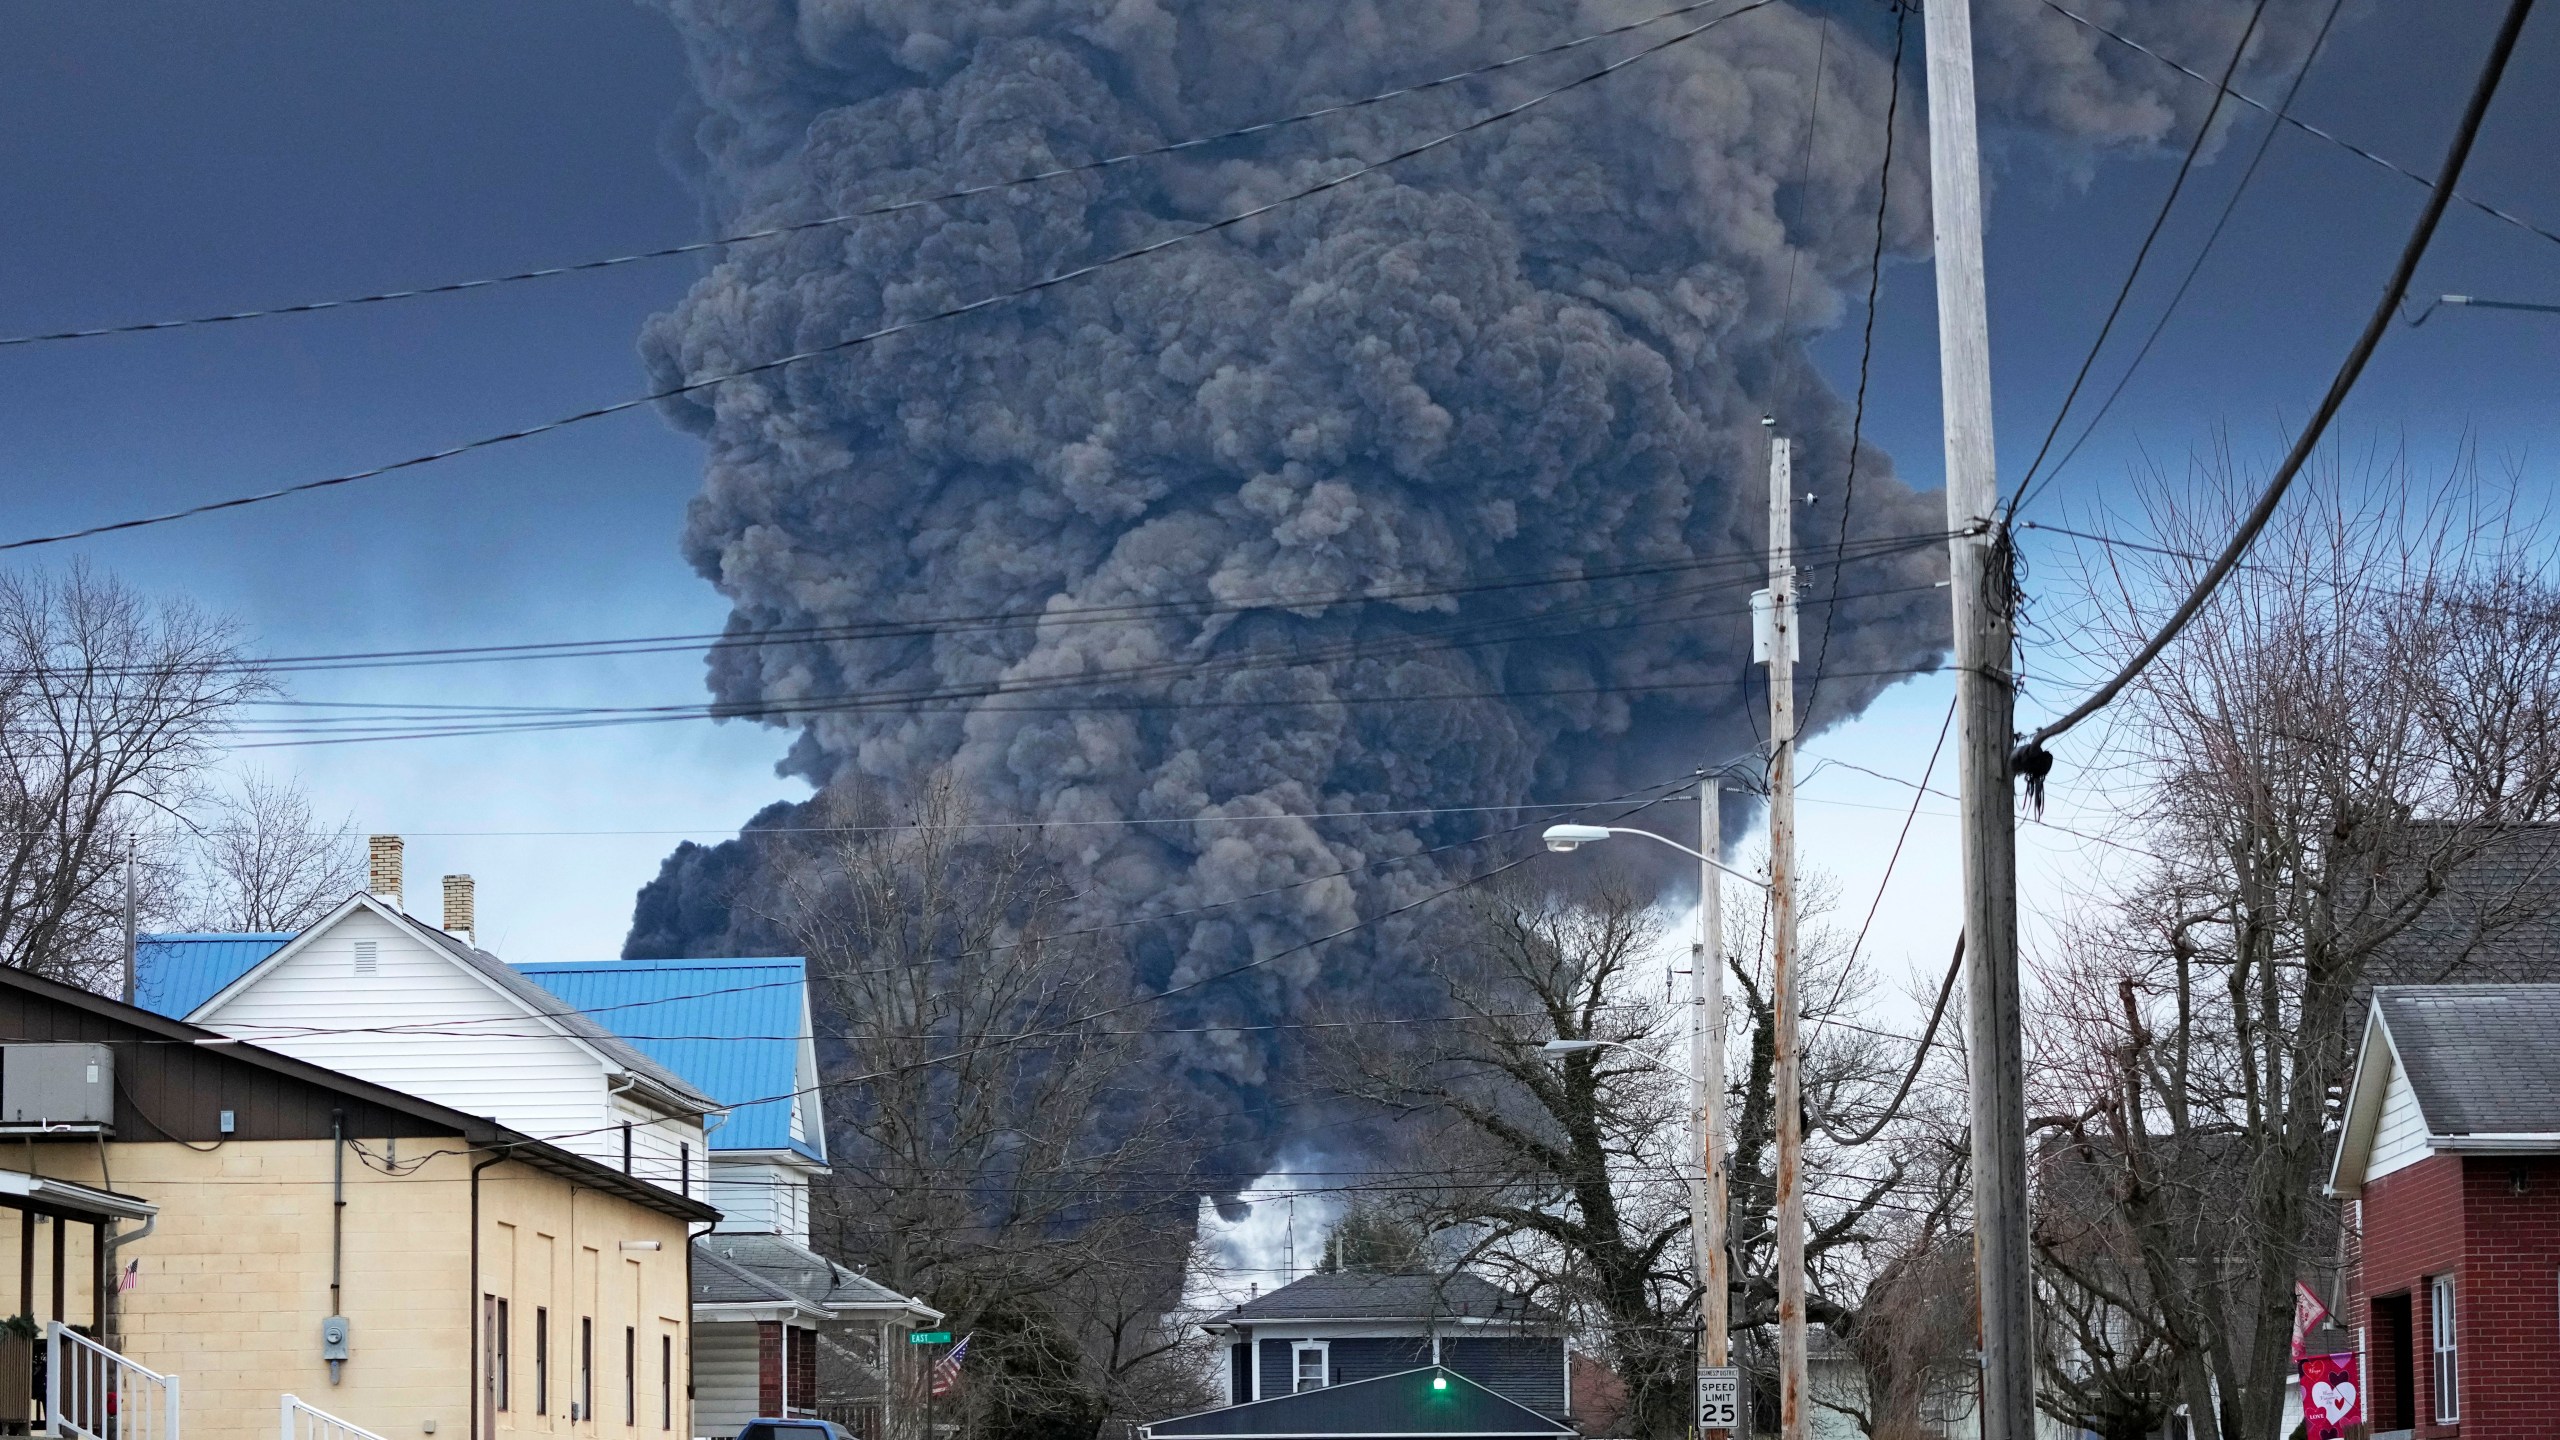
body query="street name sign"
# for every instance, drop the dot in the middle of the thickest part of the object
(928, 1337)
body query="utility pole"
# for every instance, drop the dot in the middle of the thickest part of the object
(1781, 632)
(1985, 731)
(1707, 1193)
(132, 938)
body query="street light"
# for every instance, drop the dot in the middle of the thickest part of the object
(1705, 1077)
(1565, 839)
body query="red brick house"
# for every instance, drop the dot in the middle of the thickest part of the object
(2449, 1167)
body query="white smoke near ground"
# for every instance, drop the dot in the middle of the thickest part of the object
(1542, 351)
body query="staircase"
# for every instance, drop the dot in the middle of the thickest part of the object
(93, 1393)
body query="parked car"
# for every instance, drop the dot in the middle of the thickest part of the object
(765, 1429)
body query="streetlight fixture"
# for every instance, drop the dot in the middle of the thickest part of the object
(1565, 839)
(1705, 1077)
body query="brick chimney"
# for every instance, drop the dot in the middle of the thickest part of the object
(458, 919)
(382, 868)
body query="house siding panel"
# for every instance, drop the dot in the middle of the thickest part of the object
(2400, 1135)
(1528, 1369)
(724, 1377)
(1363, 1359)
(1277, 1378)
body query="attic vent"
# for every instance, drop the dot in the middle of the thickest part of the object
(368, 956)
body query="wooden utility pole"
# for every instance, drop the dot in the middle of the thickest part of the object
(1781, 634)
(1707, 1193)
(1984, 730)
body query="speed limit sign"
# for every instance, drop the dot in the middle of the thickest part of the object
(1719, 1397)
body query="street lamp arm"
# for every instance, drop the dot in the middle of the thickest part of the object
(1692, 854)
(1574, 1047)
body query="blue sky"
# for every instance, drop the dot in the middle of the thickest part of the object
(170, 159)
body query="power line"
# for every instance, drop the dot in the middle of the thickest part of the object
(891, 207)
(2124, 292)
(1866, 341)
(2474, 114)
(2231, 205)
(1493, 630)
(1047, 282)
(2314, 131)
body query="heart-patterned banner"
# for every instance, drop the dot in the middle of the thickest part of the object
(2332, 1397)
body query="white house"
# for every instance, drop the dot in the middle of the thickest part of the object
(376, 993)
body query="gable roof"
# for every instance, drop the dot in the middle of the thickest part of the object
(499, 975)
(175, 973)
(1430, 1401)
(767, 1270)
(735, 1029)
(478, 1131)
(1367, 1295)
(2481, 1061)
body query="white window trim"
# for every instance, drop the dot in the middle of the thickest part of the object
(2444, 1349)
(1298, 1349)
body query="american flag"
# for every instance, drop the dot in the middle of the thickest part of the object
(946, 1371)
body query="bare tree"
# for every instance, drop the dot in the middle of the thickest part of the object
(110, 707)
(2317, 768)
(997, 1146)
(1568, 1176)
(263, 862)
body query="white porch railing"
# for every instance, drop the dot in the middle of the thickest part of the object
(303, 1421)
(93, 1393)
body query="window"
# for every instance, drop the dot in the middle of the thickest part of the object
(666, 1382)
(631, 1375)
(369, 960)
(1310, 1367)
(498, 1364)
(586, 1409)
(2440, 1323)
(541, 1360)
(684, 1169)
(626, 1147)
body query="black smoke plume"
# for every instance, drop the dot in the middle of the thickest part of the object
(1540, 352)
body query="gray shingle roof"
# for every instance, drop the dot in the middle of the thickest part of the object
(2483, 1059)
(741, 1269)
(1364, 1295)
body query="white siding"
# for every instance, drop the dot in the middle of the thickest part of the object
(724, 1377)
(659, 1146)
(755, 1197)
(2400, 1136)
(453, 1039)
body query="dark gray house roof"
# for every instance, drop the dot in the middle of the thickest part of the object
(2483, 1059)
(743, 1269)
(1429, 1401)
(1364, 1295)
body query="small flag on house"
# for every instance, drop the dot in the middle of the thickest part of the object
(946, 1371)
(132, 1275)
(2332, 1401)
(2308, 1312)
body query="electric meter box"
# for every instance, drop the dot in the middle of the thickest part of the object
(57, 1088)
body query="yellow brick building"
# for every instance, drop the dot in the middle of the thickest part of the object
(491, 1285)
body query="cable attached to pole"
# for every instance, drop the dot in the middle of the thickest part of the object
(2030, 757)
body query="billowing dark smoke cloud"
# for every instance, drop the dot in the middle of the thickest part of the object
(1543, 350)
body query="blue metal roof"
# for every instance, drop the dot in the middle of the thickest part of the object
(175, 973)
(669, 1009)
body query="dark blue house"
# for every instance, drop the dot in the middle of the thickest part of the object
(1461, 1349)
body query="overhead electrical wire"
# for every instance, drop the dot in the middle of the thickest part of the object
(895, 328)
(2314, 131)
(2195, 266)
(884, 208)
(2142, 253)
(1488, 631)
(2475, 113)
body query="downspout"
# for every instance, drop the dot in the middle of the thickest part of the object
(471, 1332)
(337, 1238)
